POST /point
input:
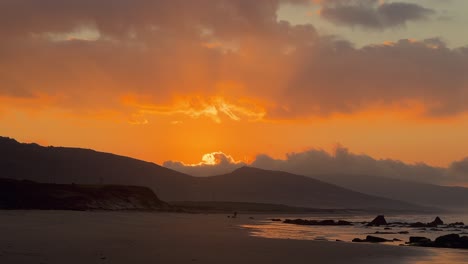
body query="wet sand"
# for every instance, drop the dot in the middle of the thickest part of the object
(133, 237)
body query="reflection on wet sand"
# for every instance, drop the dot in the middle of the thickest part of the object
(341, 234)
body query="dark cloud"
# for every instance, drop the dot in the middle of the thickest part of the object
(372, 14)
(340, 162)
(89, 54)
(459, 170)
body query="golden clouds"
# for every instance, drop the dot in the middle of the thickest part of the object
(215, 108)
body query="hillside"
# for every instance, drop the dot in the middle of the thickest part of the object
(85, 166)
(82, 166)
(264, 186)
(30, 195)
(455, 198)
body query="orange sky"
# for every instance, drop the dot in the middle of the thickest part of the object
(160, 81)
(378, 133)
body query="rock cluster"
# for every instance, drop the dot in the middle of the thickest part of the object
(317, 222)
(374, 239)
(447, 241)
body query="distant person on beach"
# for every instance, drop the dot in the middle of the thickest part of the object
(235, 215)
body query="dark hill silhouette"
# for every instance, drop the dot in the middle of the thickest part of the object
(265, 186)
(30, 195)
(455, 198)
(83, 166)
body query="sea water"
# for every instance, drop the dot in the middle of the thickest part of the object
(267, 228)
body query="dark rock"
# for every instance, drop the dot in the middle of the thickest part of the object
(375, 239)
(416, 239)
(327, 222)
(315, 222)
(403, 232)
(436, 229)
(251, 218)
(378, 221)
(275, 220)
(456, 224)
(384, 233)
(396, 239)
(387, 228)
(437, 221)
(447, 241)
(342, 222)
(450, 240)
(372, 239)
(418, 224)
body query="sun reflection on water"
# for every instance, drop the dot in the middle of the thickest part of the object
(278, 230)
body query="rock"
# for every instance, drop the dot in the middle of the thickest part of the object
(388, 228)
(342, 222)
(456, 224)
(315, 222)
(403, 232)
(384, 233)
(327, 222)
(416, 239)
(418, 224)
(446, 241)
(378, 221)
(449, 240)
(275, 220)
(251, 218)
(375, 239)
(372, 239)
(437, 221)
(436, 229)
(396, 240)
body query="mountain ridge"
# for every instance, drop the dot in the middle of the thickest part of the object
(84, 166)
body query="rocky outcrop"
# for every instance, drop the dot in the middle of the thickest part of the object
(317, 223)
(437, 221)
(378, 221)
(372, 239)
(446, 241)
(30, 195)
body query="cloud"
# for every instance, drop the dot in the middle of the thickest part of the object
(341, 161)
(214, 108)
(214, 163)
(372, 14)
(459, 170)
(179, 55)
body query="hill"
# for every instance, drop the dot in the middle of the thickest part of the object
(264, 186)
(83, 166)
(455, 198)
(30, 195)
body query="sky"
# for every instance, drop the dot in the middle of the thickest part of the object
(172, 81)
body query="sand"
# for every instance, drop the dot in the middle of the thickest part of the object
(135, 237)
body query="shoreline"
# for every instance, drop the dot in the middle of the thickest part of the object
(139, 237)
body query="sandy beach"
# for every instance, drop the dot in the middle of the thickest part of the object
(135, 237)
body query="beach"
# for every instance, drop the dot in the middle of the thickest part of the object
(139, 237)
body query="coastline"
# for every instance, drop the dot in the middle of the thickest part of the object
(139, 237)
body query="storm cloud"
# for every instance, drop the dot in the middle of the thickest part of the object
(373, 14)
(94, 55)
